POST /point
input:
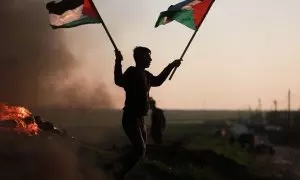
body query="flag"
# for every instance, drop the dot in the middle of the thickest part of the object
(72, 13)
(189, 13)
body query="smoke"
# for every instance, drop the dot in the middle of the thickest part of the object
(75, 92)
(36, 68)
(37, 158)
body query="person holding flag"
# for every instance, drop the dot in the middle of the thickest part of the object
(136, 81)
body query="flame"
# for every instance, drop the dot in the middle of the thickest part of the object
(18, 114)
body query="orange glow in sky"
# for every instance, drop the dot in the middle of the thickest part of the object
(244, 50)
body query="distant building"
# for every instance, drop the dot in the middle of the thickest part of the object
(281, 118)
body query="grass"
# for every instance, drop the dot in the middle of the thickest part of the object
(204, 158)
(221, 146)
(187, 172)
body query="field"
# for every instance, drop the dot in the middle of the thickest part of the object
(97, 125)
(190, 150)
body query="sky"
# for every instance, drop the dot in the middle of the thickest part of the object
(244, 50)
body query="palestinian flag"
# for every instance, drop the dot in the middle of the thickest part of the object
(72, 13)
(190, 13)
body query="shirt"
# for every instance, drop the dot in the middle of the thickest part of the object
(137, 83)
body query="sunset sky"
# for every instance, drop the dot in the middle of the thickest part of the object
(244, 50)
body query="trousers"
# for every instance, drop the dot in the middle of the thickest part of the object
(135, 129)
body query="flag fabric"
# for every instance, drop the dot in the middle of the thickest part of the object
(189, 13)
(72, 13)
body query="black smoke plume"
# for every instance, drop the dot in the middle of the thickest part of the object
(34, 61)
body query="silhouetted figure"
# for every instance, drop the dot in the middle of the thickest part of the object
(137, 82)
(158, 122)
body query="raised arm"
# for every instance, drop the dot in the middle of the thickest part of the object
(118, 74)
(160, 79)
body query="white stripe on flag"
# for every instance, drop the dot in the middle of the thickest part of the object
(66, 17)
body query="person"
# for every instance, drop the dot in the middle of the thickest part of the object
(136, 82)
(158, 122)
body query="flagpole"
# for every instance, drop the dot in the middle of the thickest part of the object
(104, 26)
(190, 41)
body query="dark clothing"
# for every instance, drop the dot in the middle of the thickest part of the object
(158, 125)
(136, 132)
(158, 120)
(157, 137)
(135, 129)
(137, 84)
(137, 87)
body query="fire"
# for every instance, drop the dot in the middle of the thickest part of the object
(21, 116)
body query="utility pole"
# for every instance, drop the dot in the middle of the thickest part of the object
(260, 113)
(289, 108)
(275, 105)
